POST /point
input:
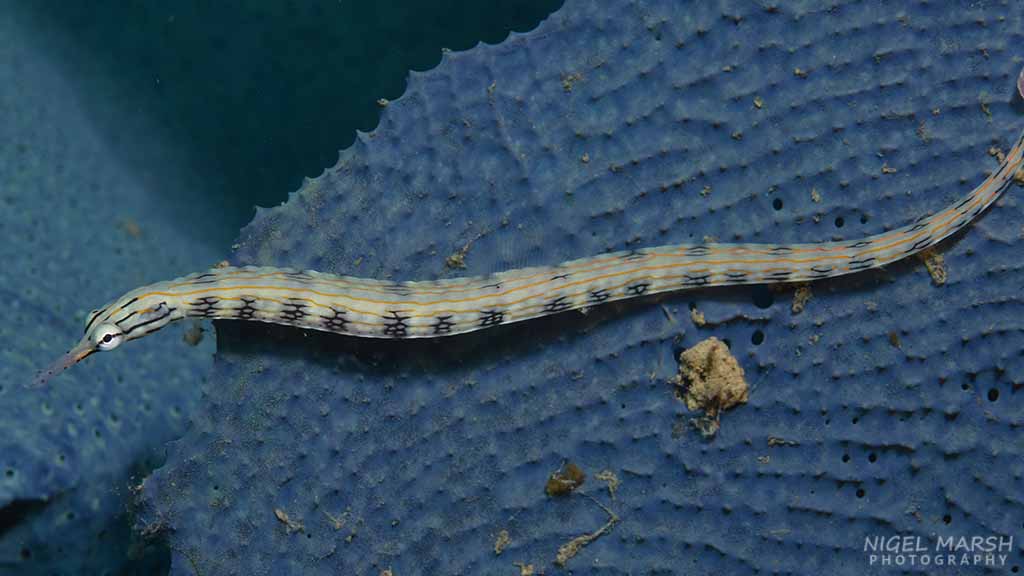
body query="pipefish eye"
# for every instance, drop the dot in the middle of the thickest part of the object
(107, 337)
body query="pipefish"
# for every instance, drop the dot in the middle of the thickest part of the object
(429, 309)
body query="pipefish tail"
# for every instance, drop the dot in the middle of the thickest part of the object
(382, 309)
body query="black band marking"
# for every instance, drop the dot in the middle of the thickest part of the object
(205, 307)
(558, 304)
(919, 245)
(336, 322)
(861, 264)
(397, 289)
(443, 325)
(298, 275)
(129, 315)
(294, 311)
(152, 320)
(633, 255)
(638, 288)
(696, 279)
(395, 326)
(92, 319)
(491, 317)
(247, 310)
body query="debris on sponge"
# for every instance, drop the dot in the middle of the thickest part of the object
(571, 548)
(564, 480)
(711, 380)
(524, 569)
(193, 335)
(289, 524)
(697, 317)
(501, 542)
(457, 260)
(611, 479)
(935, 264)
(1000, 156)
(800, 298)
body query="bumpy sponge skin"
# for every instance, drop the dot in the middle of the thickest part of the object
(78, 223)
(887, 406)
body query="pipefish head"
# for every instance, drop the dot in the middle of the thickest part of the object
(127, 318)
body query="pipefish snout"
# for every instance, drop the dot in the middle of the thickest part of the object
(382, 309)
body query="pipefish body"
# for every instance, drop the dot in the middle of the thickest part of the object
(382, 309)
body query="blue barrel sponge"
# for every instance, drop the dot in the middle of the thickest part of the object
(880, 404)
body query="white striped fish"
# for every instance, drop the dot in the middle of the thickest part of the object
(381, 309)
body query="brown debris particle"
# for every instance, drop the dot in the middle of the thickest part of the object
(501, 542)
(289, 524)
(564, 480)
(524, 569)
(886, 169)
(585, 158)
(996, 153)
(758, 102)
(131, 228)
(697, 317)
(193, 335)
(815, 196)
(774, 441)
(983, 102)
(571, 548)
(382, 102)
(710, 379)
(458, 258)
(570, 80)
(935, 264)
(799, 72)
(894, 339)
(801, 296)
(222, 264)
